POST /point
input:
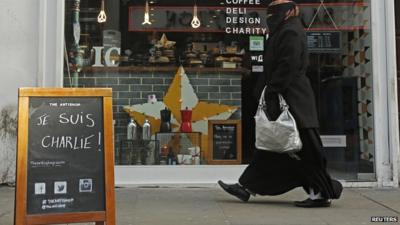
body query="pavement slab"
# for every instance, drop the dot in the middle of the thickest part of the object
(209, 205)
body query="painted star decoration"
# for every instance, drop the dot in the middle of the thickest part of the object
(179, 96)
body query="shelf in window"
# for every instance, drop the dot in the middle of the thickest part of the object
(340, 28)
(90, 10)
(330, 4)
(152, 69)
(228, 54)
(88, 20)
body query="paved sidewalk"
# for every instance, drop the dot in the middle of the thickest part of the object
(211, 206)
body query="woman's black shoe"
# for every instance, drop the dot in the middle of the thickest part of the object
(337, 188)
(235, 190)
(309, 203)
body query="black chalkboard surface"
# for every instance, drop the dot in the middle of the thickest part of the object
(225, 141)
(326, 41)
(65, 155)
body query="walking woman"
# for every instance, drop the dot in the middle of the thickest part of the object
(286, 61)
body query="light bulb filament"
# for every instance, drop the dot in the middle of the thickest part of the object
(146, 15)
(146, 19)
(102, 17)
(195, 21)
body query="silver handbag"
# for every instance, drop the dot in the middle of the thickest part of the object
(280, 136)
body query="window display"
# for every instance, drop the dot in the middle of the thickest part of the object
(203, 57)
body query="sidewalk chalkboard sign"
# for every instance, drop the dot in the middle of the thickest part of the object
(65, 169)
(225, 141)
(326, 41)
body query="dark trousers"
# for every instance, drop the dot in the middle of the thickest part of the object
(273, 173)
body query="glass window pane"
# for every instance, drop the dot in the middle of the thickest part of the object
(138, 50)
(339, 36)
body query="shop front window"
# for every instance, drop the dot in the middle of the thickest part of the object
(339, 36)
(182, 72)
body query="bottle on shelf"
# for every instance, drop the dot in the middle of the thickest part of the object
(165, 125)
(171, 158)
(186, 115)
(146, 132)
(131, 133)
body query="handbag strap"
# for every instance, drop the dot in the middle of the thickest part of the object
(282, 102)
(261, 102)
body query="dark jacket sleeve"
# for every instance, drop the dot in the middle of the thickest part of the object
(287, 61)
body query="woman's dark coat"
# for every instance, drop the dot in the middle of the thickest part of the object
(286, 61)
(270, 173)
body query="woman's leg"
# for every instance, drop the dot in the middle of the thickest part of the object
(314, 170)
(271, 174)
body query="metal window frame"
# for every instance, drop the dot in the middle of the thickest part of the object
(51, 43)
(385, 93)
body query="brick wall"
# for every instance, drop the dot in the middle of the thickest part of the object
(131, 88)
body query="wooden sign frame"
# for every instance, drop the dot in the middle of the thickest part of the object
(21, 217)
(238, 159)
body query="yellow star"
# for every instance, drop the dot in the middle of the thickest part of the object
(179, 96)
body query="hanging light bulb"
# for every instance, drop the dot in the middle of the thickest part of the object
(102, 17)
(195, 21)
(146, 15)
